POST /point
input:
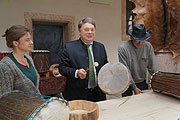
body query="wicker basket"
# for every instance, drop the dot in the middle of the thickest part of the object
(52, 85)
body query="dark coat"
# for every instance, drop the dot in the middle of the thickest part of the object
(73, 57)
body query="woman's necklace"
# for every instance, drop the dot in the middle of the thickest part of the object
(22, 60)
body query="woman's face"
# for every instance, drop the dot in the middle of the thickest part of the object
(25, 43)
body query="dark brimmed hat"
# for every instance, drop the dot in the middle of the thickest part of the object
(139, 32)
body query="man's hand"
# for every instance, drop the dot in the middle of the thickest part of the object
(81, 73)
(137, 91)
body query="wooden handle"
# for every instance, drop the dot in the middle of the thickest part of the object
(89, 68)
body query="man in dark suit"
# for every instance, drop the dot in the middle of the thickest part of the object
(75, 59)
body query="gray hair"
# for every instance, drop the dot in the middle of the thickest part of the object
(86, 20)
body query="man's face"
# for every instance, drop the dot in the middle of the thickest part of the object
(87, 33)
(138, 44)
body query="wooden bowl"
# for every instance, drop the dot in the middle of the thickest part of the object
(83, 110)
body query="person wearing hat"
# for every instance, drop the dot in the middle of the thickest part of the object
(138, 56)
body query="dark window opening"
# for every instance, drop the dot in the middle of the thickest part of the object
(49, 37)
(129, 14)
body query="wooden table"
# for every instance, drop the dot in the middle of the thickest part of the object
(147, 106)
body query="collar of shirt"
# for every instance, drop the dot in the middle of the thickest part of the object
(86, 43)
